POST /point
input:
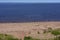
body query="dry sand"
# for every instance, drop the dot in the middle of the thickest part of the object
(20, 30)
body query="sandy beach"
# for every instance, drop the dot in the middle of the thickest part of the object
(20, 30)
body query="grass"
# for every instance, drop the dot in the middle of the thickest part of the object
(55, 32)
(30, 38)
(7, 37)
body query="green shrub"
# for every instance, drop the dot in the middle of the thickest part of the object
(49, 29)
(55, 32)
(38, 32)
(7, 37)
(44, 31)
(58, 38)
(28, 38)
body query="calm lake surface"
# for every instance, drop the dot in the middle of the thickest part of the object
(28, 12)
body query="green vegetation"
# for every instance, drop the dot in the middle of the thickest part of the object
(55, 32)
(58, 38)
(30, 38)
(44, 31)
(38, 32)
(7, 37)
(49, 29)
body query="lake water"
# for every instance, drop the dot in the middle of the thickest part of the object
(28, 12)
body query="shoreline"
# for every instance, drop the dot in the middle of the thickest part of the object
(30, 22)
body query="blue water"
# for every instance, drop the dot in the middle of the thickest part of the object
(28, 12)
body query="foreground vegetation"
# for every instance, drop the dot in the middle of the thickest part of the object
(7, 37)
(55, 32)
